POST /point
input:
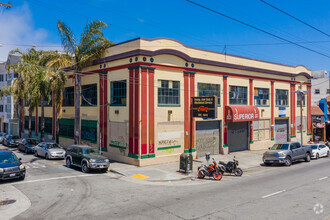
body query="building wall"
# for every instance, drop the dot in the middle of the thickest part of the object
(322, 84)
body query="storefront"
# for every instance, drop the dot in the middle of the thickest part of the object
(239, 119)
(208, 137)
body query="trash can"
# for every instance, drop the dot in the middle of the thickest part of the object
(186, 162)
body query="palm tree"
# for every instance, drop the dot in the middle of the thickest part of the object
(92, 44)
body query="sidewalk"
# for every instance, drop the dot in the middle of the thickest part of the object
(170, 171)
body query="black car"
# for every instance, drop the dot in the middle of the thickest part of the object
(11, 141)
(10, 166)
(27, 145)
(86, 157)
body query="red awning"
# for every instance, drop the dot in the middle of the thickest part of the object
(236, 113)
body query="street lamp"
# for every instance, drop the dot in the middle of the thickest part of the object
(7, 6)
(301, 93)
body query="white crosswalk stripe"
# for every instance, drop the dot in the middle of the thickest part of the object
(34, 165)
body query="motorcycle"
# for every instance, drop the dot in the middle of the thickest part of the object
(211, 170)
(231, 167)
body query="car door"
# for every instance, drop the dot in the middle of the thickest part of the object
(300, 150)
(295, 151)
(41, 150)
(79, 156)
(73, 154)
(322, 150)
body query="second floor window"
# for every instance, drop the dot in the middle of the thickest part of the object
(261, 96)
(68, 96)
(1, 108)
(89, 95)
(168, 92)
(317, 91)
(205, 89)
(282, 97)
(1, 78)
(238, 95)
(118, 93)
(298, 100)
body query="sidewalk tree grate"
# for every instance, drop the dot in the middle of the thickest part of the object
(7, 202)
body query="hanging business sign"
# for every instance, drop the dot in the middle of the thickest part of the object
(204, 107)
(238, 113)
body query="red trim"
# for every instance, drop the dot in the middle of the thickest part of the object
(101, 132)
(192, 120)
(186, 111)
(225, 96)
(105, 111)
(151, 112)
(54, 116)
(136, 111)
(131, 116)
(294, 104)
(144, 112)
(251, 104)
(291, 109)
(37, 119)
(309, 109)
(272, 108)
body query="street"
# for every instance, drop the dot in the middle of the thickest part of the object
(56, 192)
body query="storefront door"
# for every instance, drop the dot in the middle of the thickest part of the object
(281, 131)
(238, 136)
(208, 137)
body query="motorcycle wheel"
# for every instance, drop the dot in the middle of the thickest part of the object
(201, 175)
(217, 176)
(238, 172)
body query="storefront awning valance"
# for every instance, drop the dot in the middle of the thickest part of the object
(237, 113)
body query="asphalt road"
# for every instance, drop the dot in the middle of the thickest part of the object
(56, 192)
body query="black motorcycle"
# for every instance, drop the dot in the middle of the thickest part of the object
(231, 167)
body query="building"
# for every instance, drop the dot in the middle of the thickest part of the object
(136, 102)
(321, 86)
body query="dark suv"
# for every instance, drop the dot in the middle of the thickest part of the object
(86, 157)
(10, 166)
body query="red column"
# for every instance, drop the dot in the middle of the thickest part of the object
(309, 108)
(225, 95)
(103, 107)
(144, 112)
(272, 108)
(136, 111)
(36, 124)
(292, 106)
(54, 115)
(251, 103)
(186, 111)
(151, 113)
(192, 120)
(131, 112)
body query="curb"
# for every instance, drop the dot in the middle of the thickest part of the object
(117, 172)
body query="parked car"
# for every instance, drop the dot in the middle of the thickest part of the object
(319, 150)
(287, 153)
(28, 144)
(49, 150)
(86, 157)
(2, 136)
(11, 167)
(11, 140)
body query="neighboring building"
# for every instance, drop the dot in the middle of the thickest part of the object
(320, 86)
(3, 100)
(136, 103)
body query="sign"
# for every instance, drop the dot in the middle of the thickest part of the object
(204, 107)
(241, 113)
(281, 112)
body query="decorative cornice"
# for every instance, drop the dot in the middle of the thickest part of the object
(133, 67)
(251, 79)
(148, 67)
(225, 76)
(191, 72)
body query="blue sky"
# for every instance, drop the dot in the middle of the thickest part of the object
(34, 22)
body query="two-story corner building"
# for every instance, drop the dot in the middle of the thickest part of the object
(136, 102)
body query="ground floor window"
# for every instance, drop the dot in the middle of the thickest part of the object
(26, 123)
(89, 130)
(261, 130)
(48, 125)
(66, 127)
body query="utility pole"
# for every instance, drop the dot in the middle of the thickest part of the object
(7, 6)
(301, 94)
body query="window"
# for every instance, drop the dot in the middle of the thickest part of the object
(261, 96)
(48, 125)
(298, 100)
(1, 108)
(238, 95)
(328, 91)
(89, 95)
(261, 130)
(281, 97)
(118, 93)
(66, 127)
(205, 89)
(68, 96)
(26, 123)
(168, 92)
(89, 130)
(1, 78)
(317, 91)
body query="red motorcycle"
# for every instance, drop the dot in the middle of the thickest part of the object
(212, 170)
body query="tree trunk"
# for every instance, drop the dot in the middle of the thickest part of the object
(77, 108)
(30, 122)
(42, 121)
(20, 117)
(57, 127)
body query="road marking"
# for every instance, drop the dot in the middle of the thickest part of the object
(323, 178)
(140, 176)
(55, 178)
(273, 194)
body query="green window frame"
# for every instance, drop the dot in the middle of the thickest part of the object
(89, 95)
(48, 125)
(118, 93)
(207, 89)
(282, 97)
(89, 130)
(68, 96)
(238, 95)
(261, 97)
(168, 93)
(66, 127)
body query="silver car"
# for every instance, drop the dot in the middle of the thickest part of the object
(49, 150)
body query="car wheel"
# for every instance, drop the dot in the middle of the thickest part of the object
(308, 157)
(84, 168)
(287, 161)
(317, 156)
(47, 156)
(68, 162)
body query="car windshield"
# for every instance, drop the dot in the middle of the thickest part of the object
(53, 146)
(280, 147)
(91, 151)
(32, 141)
(314, 147)
(8, 158)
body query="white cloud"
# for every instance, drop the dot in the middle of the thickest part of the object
(17, 28)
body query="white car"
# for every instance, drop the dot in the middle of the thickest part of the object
(320, 150)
